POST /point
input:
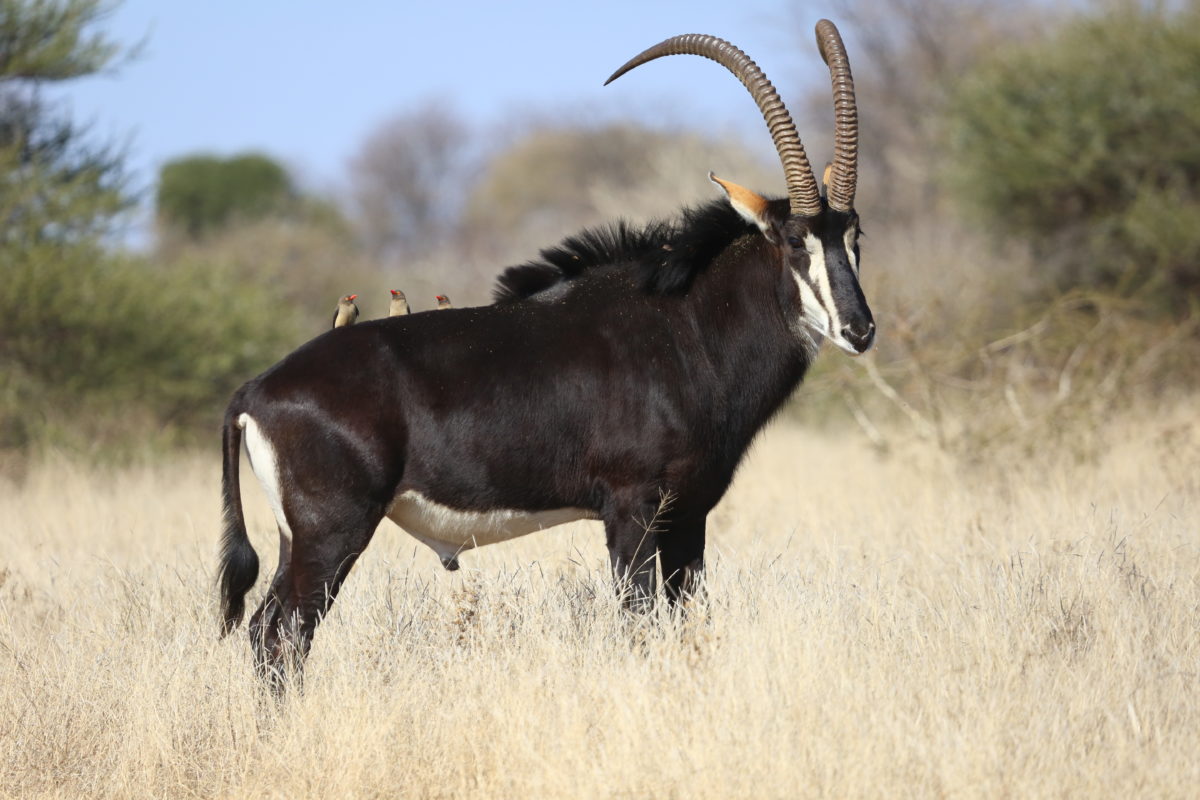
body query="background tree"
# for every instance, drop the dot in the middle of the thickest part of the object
(907, 56)
(199, 194)
(406, 182)
(56, 183)
(57, 188)
(247, 215)
(553, 180)
(99, 349)
(1087, 142)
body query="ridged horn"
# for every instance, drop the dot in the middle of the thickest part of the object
(845, 132)
(804, 196)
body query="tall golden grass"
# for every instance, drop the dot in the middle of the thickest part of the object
(875, 626)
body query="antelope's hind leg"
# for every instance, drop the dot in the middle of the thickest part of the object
(266, 624)
(329, 533)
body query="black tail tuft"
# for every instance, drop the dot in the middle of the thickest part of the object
(239, 563)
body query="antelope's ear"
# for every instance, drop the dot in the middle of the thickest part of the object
(751, 206)
(825, 177)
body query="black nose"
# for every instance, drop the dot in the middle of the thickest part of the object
(859, 334)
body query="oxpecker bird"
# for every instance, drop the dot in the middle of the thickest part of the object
(399, 305)
(346, 312)
(443, 302)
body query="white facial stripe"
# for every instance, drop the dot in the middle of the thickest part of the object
(262, 461)
(812, 316)
(818, 271)
(849, 238)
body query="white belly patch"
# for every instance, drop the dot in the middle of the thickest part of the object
(449, 531)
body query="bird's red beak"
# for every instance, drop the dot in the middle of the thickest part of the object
(352, 296)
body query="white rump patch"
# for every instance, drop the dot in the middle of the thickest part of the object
(449, 531)
(262, 461)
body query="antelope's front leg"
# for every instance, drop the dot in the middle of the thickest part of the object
(631, 532)
(681, 551)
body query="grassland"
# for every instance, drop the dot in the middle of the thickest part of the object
(876, 626)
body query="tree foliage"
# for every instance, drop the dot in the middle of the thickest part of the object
(407, 181)
(906, 55)
(99, 349)
(1088, 143)
(553, 180)
(52, 41)
(55, 184)
(200, 194)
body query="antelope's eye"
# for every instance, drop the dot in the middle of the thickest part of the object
(795, 242)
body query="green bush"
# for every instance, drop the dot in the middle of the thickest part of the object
(199, 194)
(1088, 143)
(56, 184)
(100, 351)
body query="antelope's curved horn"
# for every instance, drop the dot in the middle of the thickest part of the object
(845, 133)
(804, 196)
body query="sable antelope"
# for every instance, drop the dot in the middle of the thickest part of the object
(443, 302)
(488, 423)
(399, 306)
(346, 312)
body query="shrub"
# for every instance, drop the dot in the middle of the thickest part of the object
(199, 194)
(1088, 143)
(101, 351)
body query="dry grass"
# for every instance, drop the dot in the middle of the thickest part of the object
(898, 627)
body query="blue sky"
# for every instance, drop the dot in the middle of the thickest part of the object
(307, 81)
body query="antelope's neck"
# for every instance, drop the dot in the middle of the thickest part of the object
(758, 356)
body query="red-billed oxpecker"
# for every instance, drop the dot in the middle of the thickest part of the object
(399, 306)
(620, 376)
(443, 302)
(346, 312)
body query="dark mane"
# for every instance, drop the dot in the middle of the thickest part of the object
(666, 254)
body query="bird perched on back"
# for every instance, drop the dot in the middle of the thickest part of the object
(443, 302)
(346, 312)
(399, 305)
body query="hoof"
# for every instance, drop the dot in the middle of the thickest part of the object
(450, 563)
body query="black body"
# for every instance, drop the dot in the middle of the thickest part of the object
(622, 377)
(642, 371)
